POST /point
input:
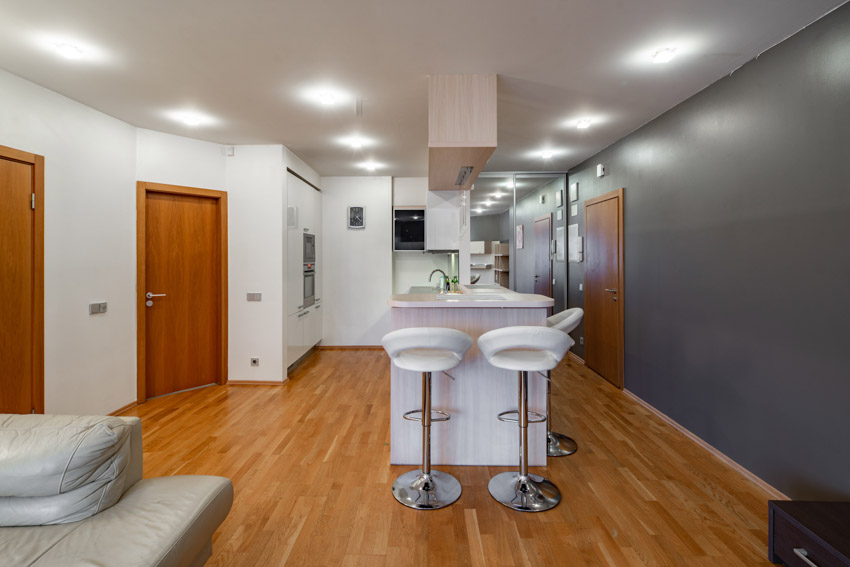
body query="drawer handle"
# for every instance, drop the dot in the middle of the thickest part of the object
(804, 555)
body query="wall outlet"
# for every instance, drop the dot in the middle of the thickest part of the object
(581, 340)
(255, 362)
(253, 296)
(96, 308)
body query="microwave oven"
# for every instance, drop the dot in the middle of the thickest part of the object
(309, 248)
(409, 229)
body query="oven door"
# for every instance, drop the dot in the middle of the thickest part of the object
(309, 248)
(309, 288)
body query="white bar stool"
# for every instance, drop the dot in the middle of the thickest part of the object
(524, 349)
(426, 350)
(558, 445)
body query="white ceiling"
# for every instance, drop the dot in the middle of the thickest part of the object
(246, 62)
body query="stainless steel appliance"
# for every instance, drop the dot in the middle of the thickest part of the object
(309, 285)
(409, 229)
(309, 248)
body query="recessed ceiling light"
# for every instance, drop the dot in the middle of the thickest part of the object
(479, 210)
(191, 118)
(546, 154)
(486, 203)
(664, 55)
(497, 195)
(583, 123)
(69, 50)
(325, 96)
(370, 165)
(509, 184)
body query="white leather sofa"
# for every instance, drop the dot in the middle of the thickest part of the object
(70, 474)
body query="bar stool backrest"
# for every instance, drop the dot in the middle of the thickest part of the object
(427, 338)
(542, 339)
(567, 320)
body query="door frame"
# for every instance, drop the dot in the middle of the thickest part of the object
(621, 284)
(37, 341)
(142, 190)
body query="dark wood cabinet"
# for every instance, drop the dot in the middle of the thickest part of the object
(803, 534)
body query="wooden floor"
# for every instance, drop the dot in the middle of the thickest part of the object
(310, 464)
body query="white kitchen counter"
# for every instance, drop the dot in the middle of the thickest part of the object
(473, 435)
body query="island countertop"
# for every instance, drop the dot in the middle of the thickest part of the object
(476, 392)
(471, 296)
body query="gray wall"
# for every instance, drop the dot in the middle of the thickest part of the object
(527, 209)
(737, 268)
(486, 227)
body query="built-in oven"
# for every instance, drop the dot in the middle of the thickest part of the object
(309, 285)
(309, 248)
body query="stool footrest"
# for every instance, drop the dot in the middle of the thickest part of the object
(416, 415)
(533, 416)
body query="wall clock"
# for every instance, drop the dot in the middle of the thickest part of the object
(356, 217)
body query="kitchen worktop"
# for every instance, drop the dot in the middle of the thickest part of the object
(471, 296)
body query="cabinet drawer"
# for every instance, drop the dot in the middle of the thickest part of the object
(788, 535)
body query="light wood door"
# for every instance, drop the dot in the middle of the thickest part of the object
(21, 330)
(184, 319)
(542, 256)
(603, 287)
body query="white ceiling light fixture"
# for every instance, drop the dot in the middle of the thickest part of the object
(325, 96)
(69, 50)
(497, 195)
(546, 154)
(479, 211)
(191, 118)
(370, 165)
(664, 55)
(355, 142)
(486, 203)
(509, 184)
(583, 123)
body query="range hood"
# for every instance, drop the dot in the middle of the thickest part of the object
(461, 129)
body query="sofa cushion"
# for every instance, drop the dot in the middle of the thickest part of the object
(162, 522)
(56, 469)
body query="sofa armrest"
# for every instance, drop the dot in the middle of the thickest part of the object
(134, 467)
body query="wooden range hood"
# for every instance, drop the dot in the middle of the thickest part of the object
(461, 129)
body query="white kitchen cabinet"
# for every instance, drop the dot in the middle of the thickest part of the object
(303, 215)
(295, 343)
(313, 326)
(443, 217)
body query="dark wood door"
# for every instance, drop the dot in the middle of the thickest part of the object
(183, 319)
(603, 293)
(542, 255)
(16, 287)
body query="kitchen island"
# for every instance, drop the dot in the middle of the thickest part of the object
(473, 435)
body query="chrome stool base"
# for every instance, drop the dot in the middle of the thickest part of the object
(426, 492)
(558, 445)
(530, 494)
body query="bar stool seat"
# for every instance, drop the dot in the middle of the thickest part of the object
(426, 350)
(524, 349)
(558, 444)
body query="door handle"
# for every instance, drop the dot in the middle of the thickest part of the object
(149, 295)
(611, 290)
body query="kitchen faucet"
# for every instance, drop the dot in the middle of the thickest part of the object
(434, 272)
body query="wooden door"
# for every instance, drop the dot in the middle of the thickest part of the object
(182, 294)
(603, 286)
(21, 282)
(542, 255)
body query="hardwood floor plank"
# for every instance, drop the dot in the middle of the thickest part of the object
(310, 464)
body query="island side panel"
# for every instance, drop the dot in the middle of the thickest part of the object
(473, 435)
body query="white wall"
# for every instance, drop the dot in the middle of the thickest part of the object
(357, 263)
(90, 242)
(256, 203)
(92, 163)
(175, 160)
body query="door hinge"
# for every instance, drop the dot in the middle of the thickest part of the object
(32, 201)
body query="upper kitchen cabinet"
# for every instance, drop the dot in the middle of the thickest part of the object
(303, 216)
(461, 129)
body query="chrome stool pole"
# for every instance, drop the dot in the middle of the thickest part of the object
(423, 488)
(523, 491)
(557, 444)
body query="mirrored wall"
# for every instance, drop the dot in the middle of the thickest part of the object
(518, 230)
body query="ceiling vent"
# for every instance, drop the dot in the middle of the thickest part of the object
(463, 175)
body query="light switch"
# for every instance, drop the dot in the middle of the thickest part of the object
(255, 296)
(97, 308)
(581, 287)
